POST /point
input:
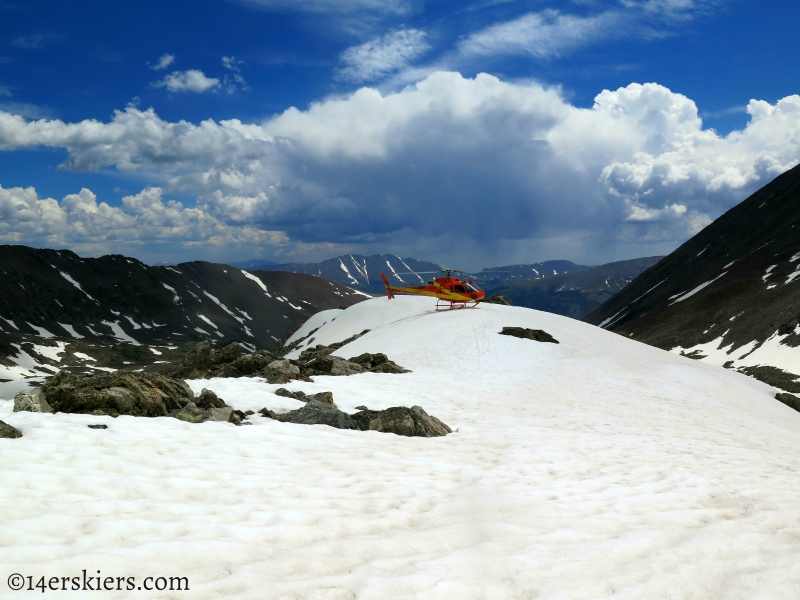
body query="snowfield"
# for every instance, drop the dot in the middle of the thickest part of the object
(596, 467)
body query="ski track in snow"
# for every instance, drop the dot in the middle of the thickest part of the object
(594, 467)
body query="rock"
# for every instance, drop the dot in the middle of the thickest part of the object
(536, 335)
(388, 367)
(235, 417)
(332, 365)
(498, 299)
(281, 371)
(326, 397)
(208, 399)
(361, 408)
(789, 400)
(118, 393)
(191, 413)
(218, 414)
(250, 364)
(31, 401)
(97, 426)
(195, 363)
(401, 420)
(314, 413)
(228, 354)
(283, 392)
(9, 432)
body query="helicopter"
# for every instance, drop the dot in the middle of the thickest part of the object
(450, 292)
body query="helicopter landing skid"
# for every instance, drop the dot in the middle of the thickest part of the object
(454, 305)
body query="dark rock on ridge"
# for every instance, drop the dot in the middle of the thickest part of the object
(773, 376)
(789, 400)
(9, 432)
(537, 335)
(498, 299)
(97, 426)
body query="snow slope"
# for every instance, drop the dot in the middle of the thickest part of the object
(596, 467)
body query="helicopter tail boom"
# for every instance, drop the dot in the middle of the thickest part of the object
(388, 287)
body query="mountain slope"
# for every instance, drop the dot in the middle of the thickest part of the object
(497, 276)
(55, 293)
(731, 294)
(364, 272)
(573, 294)
(590, 468)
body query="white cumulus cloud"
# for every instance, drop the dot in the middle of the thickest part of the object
(449, 165)
(192, 80)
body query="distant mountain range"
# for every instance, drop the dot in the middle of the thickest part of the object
(558, 286)
(56, 293)
(731, 294)
(575, 291)
(358, 271)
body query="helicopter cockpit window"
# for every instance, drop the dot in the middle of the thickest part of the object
(459, 289)
(471, 288)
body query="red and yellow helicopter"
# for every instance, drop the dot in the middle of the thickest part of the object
(450, 292)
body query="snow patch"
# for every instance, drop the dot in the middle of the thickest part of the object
(41, 331)
(71, 330)
(257, 281)
(223, 307)
(699, 288)
(119, 333)
(77, 285)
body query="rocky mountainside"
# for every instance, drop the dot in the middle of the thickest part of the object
(731, 294)
(57, 294)
(361, 272)
(574, 294)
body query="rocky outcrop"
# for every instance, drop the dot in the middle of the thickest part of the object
(321, 410)
(400, 420)
(314, 412)
(498, 299)
(204, 362)
(9, 432)
(789, 400)
(281, 371)
(31, 401)
(377, 363)
(537, 335)
(119, 393)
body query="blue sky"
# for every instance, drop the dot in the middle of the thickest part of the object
(468, 133)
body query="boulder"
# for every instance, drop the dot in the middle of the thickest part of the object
(401, 420)
(314, 412)
(31, 401)
(326, 397)
(228, 354)
(498, 299)
(191, 413)
(9, 432)
(537, 335)
(281, 371)
(250, 364)
(118, 393)
(208, 399)
(195, 363)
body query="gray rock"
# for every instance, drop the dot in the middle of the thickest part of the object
(537, 335)
(119, 393)
(401, 420)
(326, 397)
(97, 426)
(208, 399)
(31, 401)
(281, 371)
(9, 432)
(283, 392)
(190, 413)
(314, 413)
(219, 414)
